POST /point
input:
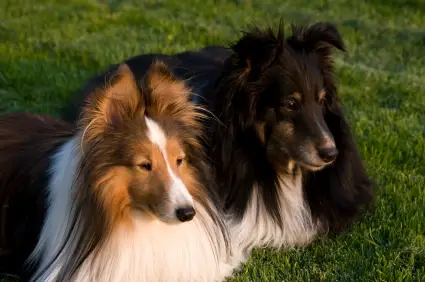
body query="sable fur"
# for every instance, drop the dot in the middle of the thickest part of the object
(271, 197)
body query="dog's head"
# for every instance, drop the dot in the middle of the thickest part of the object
(289, 90)
(137, 146)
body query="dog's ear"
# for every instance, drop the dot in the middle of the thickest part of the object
(320, 37)
(253, 53)
(119, 100)
(168, 96)
(257, 49)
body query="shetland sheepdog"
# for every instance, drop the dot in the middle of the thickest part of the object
(128, 195)
(283, 153)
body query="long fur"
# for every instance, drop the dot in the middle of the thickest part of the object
(149, 251)
(26, 141)
(287, 208)
(85, 235)
(269, 198)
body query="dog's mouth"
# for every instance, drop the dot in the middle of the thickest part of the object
(153, 213)
(306, 160)
(312, 167)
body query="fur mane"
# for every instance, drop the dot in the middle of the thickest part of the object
(237, 97)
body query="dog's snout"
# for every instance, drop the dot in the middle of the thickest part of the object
(328, 153)
(185, 214)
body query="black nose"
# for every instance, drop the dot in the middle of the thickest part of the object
(328, 154)
(185, 214)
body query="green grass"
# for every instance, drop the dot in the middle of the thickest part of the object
(48, 49)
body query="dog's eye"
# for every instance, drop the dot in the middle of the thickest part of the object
(146, 166)
(179, 161)
(292, 105)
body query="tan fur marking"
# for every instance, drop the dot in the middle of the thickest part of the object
(192, 184)
(112, 188)
(155, 180)
(297, 95)
(174, 151)
(259, 127)
(184, 171)
(291, 165)
(321, 95)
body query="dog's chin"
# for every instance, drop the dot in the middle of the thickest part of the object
(313, 167)
(169, 220)
(154, 214)
(166, 218)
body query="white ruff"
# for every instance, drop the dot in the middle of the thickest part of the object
(258, 228)
(150, 251)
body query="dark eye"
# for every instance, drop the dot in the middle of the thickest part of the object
(146, 166)
(179, 161)
(292, 105)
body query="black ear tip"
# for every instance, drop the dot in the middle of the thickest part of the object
(340, 45)
(338, 42)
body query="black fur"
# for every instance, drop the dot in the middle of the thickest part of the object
(243, 86)
(26, 140)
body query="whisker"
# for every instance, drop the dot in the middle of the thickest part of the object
(84, 133)
(213, 115)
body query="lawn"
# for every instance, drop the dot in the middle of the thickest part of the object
(48, 49)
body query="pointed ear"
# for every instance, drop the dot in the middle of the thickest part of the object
(320, 37)
(168, 96)
(164, 88)
(120, 99)
(257, 49)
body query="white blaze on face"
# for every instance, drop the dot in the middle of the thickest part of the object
(178, 194)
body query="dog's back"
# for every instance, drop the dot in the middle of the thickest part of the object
(26, 143)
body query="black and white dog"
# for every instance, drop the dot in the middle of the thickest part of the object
(283, 153)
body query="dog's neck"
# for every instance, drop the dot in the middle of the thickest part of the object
(258, 227)
(151, 250)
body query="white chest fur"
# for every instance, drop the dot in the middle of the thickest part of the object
(154, 251)
(258, 228)
(146, 250)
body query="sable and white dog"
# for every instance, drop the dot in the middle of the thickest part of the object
(129, 196)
